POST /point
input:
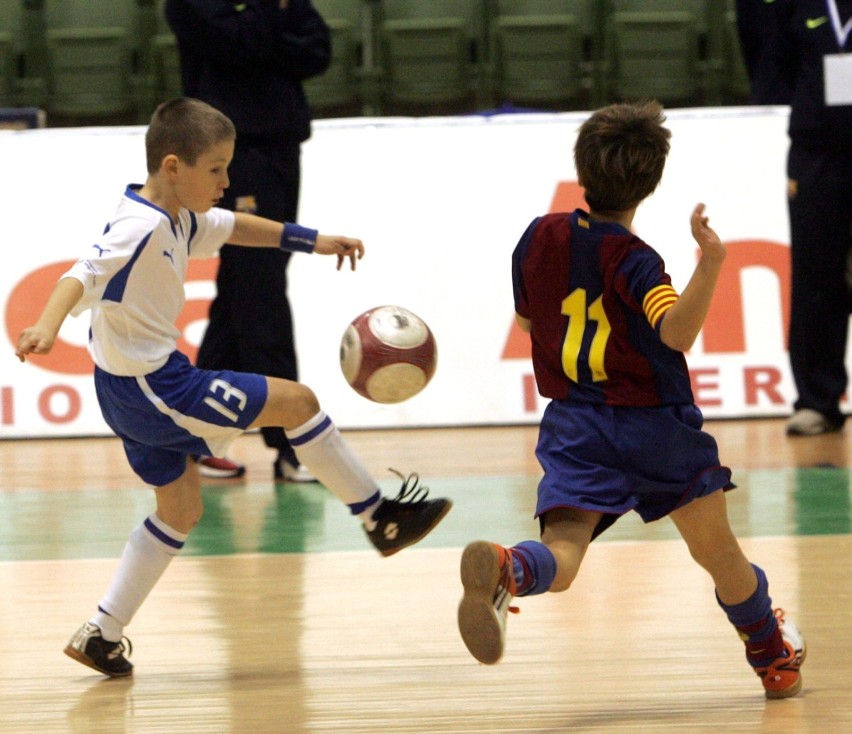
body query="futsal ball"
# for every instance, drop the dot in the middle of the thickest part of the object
(388, 354)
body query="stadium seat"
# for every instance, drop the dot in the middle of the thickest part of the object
(90, 53)
(338, 89)
(10, 17)
(735, 85)
(542, 51)
(90, 13)
(654, 53)
(699, 10)
(430, 52)
(165, 61)
(31, 48)
(11, 51)
(7, 61)
(156, 68)
(89, 72)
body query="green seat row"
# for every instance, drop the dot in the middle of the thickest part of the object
(116, 59)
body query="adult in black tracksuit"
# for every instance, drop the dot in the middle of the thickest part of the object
(249, 59)
(751, 31)
(819, 170)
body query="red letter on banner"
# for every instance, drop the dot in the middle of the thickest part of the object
(700, 386)
(762, 380)
(45, 404)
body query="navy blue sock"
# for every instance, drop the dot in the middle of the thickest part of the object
(756, 623)
(534, 567)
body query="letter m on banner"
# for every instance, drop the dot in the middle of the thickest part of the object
(724, 327)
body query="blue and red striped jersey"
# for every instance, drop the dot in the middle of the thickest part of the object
(596, 295)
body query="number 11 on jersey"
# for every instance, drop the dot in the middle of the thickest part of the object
(579, 315)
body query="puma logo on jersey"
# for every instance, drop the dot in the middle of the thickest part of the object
(170, 255)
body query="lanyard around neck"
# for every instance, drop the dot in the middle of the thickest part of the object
(840, 31)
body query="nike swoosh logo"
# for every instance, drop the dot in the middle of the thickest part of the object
(812, 23)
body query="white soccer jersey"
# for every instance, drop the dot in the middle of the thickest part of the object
(133, 280)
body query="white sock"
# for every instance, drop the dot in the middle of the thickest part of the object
(366, 517)
(149, 550)
(321, 448)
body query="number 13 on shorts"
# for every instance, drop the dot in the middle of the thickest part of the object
(227, 400)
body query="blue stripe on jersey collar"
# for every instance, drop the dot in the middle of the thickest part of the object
(193, 228)
(132, 192)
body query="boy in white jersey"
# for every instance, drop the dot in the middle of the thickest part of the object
(165, 410)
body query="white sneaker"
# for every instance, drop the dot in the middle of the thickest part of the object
(284, 471)
(486, 575)
(808, 422)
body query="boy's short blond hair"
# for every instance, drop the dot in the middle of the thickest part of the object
(620, 154)
(185, 127)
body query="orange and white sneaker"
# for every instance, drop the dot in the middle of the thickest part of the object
(489, 585)
(781, 678)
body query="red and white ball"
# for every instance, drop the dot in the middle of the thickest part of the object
(388, 354)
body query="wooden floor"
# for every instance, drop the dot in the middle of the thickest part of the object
(344, 641)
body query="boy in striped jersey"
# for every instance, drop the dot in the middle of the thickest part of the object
(622, 431)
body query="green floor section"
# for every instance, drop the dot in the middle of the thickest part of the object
(268, 518)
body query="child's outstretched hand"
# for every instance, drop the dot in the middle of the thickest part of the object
(343, 247)
(706, 237)
(33, 340)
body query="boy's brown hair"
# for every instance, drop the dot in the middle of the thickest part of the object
(620, 154)
(185, 127)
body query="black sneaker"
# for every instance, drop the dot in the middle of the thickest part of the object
(87, 646)
(407, 518)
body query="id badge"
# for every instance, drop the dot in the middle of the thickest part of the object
(837, 69)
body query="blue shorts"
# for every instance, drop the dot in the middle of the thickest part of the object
(616, 459)
(177, 411)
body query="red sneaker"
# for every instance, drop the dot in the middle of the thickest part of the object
(215, 468)
(781, 678)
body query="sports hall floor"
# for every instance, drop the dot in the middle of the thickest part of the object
(278, 617)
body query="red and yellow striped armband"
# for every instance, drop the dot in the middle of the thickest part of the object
(657, 301)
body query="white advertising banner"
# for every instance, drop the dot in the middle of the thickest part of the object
(440, 204)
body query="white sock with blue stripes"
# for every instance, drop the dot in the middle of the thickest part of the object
(321, 448)
(149, 550)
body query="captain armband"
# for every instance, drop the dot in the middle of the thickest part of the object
(657, 302)
(296, 238)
